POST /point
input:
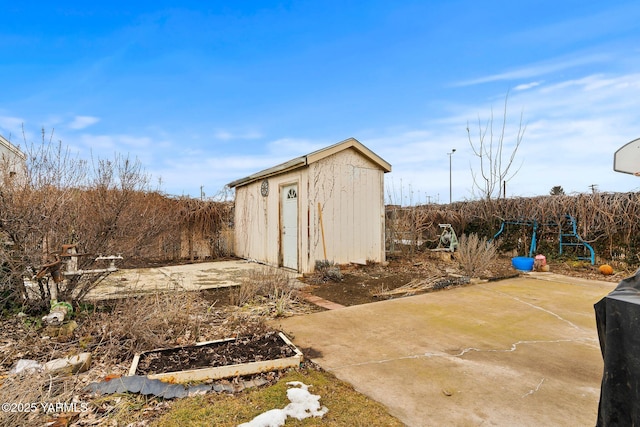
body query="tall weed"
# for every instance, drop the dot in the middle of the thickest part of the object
(475, 254)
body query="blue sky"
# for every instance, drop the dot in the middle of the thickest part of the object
(203, 93)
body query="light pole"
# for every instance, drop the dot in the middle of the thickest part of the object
(450, 187)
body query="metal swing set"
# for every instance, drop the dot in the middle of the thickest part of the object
(567, 239)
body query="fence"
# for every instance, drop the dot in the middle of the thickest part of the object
(609, 222)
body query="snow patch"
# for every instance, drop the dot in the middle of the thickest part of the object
(303, 405)
(27, 365)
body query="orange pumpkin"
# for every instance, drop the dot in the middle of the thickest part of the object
(606, 269)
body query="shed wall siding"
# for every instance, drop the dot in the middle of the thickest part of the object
(349, 189)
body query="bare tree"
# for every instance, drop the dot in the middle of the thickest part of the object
(495, 162)
(61, 200)
(31, 207)
(94, 209)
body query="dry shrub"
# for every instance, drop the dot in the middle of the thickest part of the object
(140, 323)
(475, 254)
(260, 283)
(239, 323)
(326, 271)
(244, 293)
(268, 290)
(36, 390)
(204, 223)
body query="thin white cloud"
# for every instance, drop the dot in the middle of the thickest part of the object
(185, 174)
(573, 129)
(99, 142)
(82, 122)
(136, 141)
(536, 70)
(527, 86)
(146, 149)
(226, 135)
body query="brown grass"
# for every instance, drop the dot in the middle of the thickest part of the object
(139, 323)
(267, 292)
(113, 334)
(30, 393)
(474, 254)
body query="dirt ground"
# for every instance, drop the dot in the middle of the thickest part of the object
(427, 271)
(362, 284)
(243, 350)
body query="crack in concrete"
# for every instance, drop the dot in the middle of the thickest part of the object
(427, 355)
(515, 345)
(587, 341)
(533, 390)
(376, 362)
(557, 316)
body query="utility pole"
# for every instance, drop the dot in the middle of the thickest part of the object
(450, 186)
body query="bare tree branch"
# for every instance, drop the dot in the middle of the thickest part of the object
(494, 169)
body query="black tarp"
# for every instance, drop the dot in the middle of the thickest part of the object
(618, 322)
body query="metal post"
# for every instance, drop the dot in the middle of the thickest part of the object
(450, 186)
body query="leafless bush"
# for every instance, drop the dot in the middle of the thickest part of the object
(327, 271)
(281, 301)
(261, 283)
(146, 322)
(205, 222)
(30, 207)
(105, 207)
(245, 292)
(51, 206)
(475, 254)
(267, 292)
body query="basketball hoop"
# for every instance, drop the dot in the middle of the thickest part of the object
(627, 158)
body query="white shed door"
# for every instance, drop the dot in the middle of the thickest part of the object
(289, 230)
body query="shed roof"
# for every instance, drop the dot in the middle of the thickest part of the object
(11, 148)
(307, 159)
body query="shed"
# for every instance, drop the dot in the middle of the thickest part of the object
(328, 204)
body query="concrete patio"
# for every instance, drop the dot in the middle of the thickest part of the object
(190, 277)
(521, 351)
